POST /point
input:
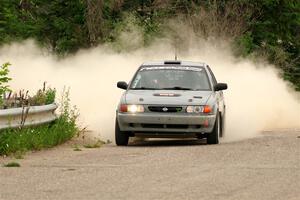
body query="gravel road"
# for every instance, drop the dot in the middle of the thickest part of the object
(267, 167)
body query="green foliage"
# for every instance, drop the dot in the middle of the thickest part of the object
(4, 79)
(76, 148)
(58, 24)
(19, 154)
(12, 164)
(275, 32)
(50, 96)
(43, 136)
(97, 144)
(267, 27)
(43, 97)
(244, 45)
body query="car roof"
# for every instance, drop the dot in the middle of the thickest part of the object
(173, 62)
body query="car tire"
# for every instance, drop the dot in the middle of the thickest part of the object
(121, 137)
(213, 137)
(223, 126)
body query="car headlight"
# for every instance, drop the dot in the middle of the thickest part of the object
(131, 108)
(199, 109)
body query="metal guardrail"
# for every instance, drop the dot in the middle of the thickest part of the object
(27, 116)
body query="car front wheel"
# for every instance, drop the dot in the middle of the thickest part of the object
(121, 137)
(213, 137)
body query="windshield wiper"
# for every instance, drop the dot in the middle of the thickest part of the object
(177, 88)
(170, 88)
(144, 88)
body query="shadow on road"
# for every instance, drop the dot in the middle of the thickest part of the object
(166, 142)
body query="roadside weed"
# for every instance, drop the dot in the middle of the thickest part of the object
(76, 148)
(97, 144)
(12, 164)
(43, 136)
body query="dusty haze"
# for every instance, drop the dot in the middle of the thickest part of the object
(257, 99)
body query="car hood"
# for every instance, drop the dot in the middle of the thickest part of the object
(167, 97)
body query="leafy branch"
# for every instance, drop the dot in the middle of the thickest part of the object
(4, 79)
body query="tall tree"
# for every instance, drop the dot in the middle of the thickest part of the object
(94, 20)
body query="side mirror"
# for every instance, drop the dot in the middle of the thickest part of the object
(122, 85)
(220, 86)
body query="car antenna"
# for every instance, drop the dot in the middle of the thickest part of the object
(175, 52)
(175, 48)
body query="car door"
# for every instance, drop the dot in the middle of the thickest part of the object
(219, 94)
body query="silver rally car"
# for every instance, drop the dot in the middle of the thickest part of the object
(171, 99)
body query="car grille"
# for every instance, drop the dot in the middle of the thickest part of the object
(165, 108)
(171, 126)
(165, 126)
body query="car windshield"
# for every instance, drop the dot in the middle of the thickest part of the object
(171, 78)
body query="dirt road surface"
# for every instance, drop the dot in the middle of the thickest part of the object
(267, 167)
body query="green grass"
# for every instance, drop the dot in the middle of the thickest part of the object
(19, 154)
(13, 141)
(97, 144)
(76, 148)
(12, 164)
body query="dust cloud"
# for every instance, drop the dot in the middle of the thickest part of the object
(257, 99)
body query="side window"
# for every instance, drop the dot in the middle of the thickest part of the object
(137, 81)
(212, 75)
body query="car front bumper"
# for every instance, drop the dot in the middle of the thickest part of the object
(166, 123)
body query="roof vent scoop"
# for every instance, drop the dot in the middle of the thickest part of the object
(175, 62)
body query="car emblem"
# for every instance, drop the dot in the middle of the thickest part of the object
(165, 109)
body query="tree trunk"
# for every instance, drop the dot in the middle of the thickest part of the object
(94, 20)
